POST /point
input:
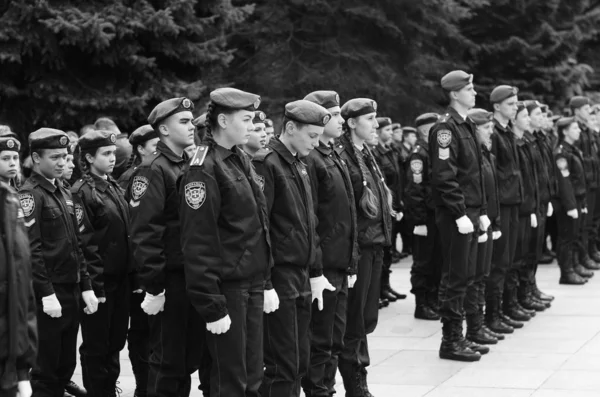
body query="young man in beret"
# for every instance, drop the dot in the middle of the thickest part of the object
(458, 193)
(175, 326)
(297, 273)
(59, 268)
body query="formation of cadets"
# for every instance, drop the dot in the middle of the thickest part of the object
(260, 260)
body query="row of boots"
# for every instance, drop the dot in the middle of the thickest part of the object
(575, 269)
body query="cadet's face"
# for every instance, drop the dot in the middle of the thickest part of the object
(179, 129)
(536, 119)
(522, 120)
(9, 162)
(411, 139)
(593, 120)
(584, 112)
(306, 138)
(397, 135)
(484, 133)
(270, 134)
(573, 132)
(258, 137)
(51, 164)
(508, 107)
(466, 96)
(69, 167)
(385, 134)
(365, 126)
(239, 126)
(333, 129)
(104, 161)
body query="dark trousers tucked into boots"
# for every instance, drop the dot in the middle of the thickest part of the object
(104, 334)
(569, 233)
(137, 343)
(476, 291)
(503, 251)
(426, 269)
(590, 230)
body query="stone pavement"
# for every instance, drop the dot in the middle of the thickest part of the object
(556, 354)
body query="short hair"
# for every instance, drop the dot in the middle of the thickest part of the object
(287, 120)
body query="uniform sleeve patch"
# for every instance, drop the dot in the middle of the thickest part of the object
(444, 153)
(139, 187)
(444, 137)
(195, 194)
(79, 213)
(27, 204)
(260, 181)
(416, 166)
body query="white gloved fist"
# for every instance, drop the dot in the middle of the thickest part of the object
(584, 210)
(271, 301)
(52, 306)
(534, 223)
(352, 280)
(550, 210)
(573, 214)
(153, 304)
(101, 300)
(464, 224)
(484, 223)
(420, 230)
(91, 302)
(399, 216)
(24, 389)
(317, 286)
(220, 326)
(482, 238)
(496, 235)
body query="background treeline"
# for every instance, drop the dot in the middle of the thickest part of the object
(63, 63)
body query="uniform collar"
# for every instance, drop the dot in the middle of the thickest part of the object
(454, 114)
(38, 179)
(101, 183)
(223, 152)
(283, 151)
(168, 153)
(324, 149)
(382, 149)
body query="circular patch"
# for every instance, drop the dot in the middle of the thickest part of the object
(113, 138)
(139, 187)
(195, 194)
(374, 104)
(63, 140)
(186, 103)
(326, 119)
(261, 116)
(561, 163)
(337, 98)
(27, 203)
(10, 144)
(444, 137)
(257, 103)
(416, 166)
(79, 213)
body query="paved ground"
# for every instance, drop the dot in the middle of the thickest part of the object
(556, 354)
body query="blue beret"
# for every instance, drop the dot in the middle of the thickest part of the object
(306, 112)
(358, 107)
(480, 116)
(142, 134)
(233, 98)
(578, 101)
(456, 80)
(97, 138)
(168, 108)
(9, 143)
(426, 118)
(503, 92)
(259, 117)
(565, 122)
(327, 99)
(384, 121)
(48, 138)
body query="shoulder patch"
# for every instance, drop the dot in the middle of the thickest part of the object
(139, 185)
(444, 137)
(199, 156)
(27, 204)
(195, 194)
(79, 213)
(416, 166)
(260, 181)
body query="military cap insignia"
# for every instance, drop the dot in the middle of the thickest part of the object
(63, 140)
(374, 104)
(113, 138)
(27, 203)
(10, 144)
(561, 163)
(260, 181)
(79, 213)
(337, 98)
(195, 194)
(326, 119)
(139, 187)
(257, 103)
(262, 116)
(186, 103)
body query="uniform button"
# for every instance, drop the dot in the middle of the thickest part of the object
(239, 178)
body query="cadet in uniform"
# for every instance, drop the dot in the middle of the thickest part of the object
(226, 246)
(143, 142)
(59, 268)
(270, 130)
(103, 220)
(420, 211)
(374, 213)
(333, 198)
(571, 201)
(458, 192)
(175, 326)
(510, 187)
(258, 137)
(18, 339)
(296, 272)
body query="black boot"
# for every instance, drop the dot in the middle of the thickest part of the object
(491, 333)
(571, 278)
(397, 294)
(386, 294)
(540, 295)
(452, 347)
(566, 262)
(509, 321)
(546, 258)
(475, 332)
(362, 372)
(583, 272)
(492, 317)
(423, 311)
(525, 298)
(352, 379)
(511, 309)
(594, 253)
(589, 264)
(75, 390)
(432, 301)
(383, 303)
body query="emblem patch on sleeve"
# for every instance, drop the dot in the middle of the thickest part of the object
(27, 204)
(195, 194)
(416, 166)
(444, 137)
(561, 163)
(139, 187)
(260, 181)
(79, 213)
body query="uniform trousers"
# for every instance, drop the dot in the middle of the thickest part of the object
(523, 253)
(426, 269)
(569, 233)
(503, 251)
(536, 246)
(137, 342)
(590, 230)
(475, 298)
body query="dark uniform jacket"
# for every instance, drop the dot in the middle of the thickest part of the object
(155, 229)
(18, 324)
(571, 177)
(124, 179)
(104, 228)
(56, 245)
(333, 198)
(286, 186)
(376, 231)
(389, 163)
(224, 225)
(457, 182)
(530, 202)
(547, 177)
(418, 200)
(490, 181)
(510, 183)
(589, 150)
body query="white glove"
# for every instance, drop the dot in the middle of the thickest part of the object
(24, 389)
(352, 280)
(573, 214)
(484, 223)
(101, 300)
(52, 306)
(533, 221)
(138, 291)
(91, 302)
(420, 230)
(399, 216)
(220, 326)
(584, 210)
(317, 286)
(482, 238)
(153, 304)
(550, 210)
(271, 301)
(465, 226)
(496, 235)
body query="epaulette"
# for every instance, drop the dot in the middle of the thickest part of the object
(262, 154)
(559, 149)
(77, 185)
(444, 118)
(148, 160)
(199, 156)
(416, 149)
